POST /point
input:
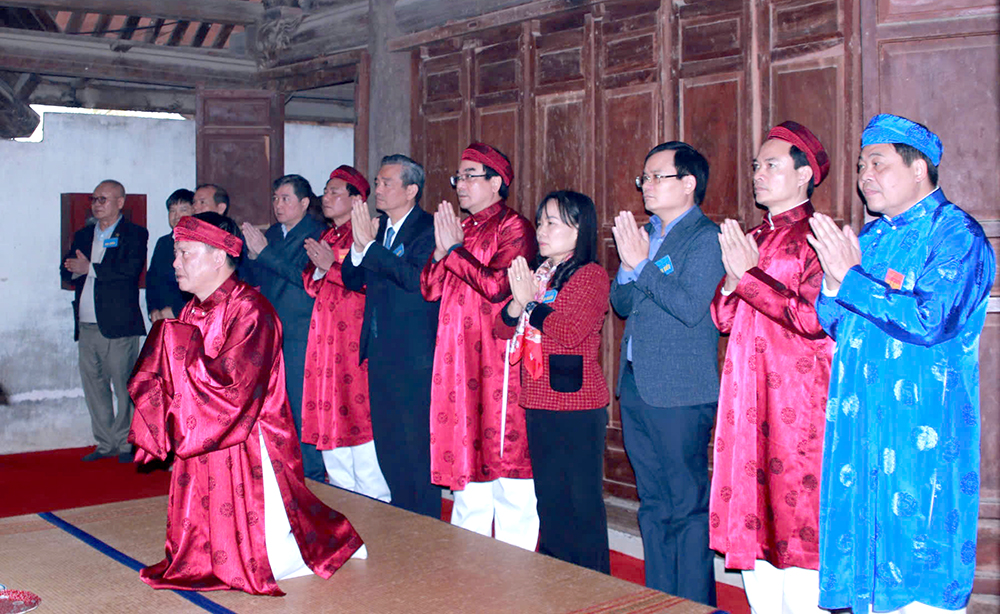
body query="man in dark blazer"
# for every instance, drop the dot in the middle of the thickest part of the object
(668, 382)
(164, 298)
(399, 329)
(276, 260)
(104, 263)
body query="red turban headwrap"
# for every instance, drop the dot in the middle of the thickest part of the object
(801, 137)
(192, 229)
(487, 156)
(352, 176)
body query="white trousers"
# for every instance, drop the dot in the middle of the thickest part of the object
(355, 468)
(283, 554)
(506, 505)
(794, 590)
(919, 608)
(782, 591)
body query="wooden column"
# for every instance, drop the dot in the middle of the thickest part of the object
(240, 144)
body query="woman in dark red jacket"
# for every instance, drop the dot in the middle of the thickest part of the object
(554, 318)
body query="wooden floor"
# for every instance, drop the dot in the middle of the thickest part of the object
(415, 565)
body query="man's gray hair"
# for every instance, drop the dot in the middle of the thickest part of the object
(413, 173)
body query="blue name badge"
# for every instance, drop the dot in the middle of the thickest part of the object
(549, 296)
(112, 242)
(398, 251)
(665, 265)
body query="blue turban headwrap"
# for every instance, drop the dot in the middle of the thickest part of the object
(886, 128)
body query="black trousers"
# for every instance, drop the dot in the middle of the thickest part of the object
(567, 459)
(295, 367)
(400, 410)
(668, 449)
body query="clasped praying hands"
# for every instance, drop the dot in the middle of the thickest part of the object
(838, 249)
(320, 254)
(632, 240)
(523, 285)
(254, 238)
(739, 253)
(448, 230)
(363, 225)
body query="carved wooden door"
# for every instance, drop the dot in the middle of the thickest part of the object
(240, 144)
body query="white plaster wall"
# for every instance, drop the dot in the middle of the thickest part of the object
(38, 359)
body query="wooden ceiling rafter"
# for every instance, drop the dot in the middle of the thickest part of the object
(154, 32)
(177, 34)
(237, 12)
(130, 26)
(222, 38)
(103, 23)
(201, 34)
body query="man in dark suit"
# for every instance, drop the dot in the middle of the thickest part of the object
(276, 261)
(104, 263)
(164, 298)
(669, 380)
(399, 329)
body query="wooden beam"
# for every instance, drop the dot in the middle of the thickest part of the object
(319, 72)
(78, 56)
(154, 33)
(130, 25)
(45, 19)
(75, 22)
(102, 26)
(329, 31)
(177, 34)
(488, 21)
(214, 11)
(222, 37)
(199, 36)
(17, 119)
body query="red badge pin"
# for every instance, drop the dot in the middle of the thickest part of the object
(894, 279)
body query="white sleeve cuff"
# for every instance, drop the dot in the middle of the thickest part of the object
(356, 256)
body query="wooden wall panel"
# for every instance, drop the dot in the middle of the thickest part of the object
(629, 129)
(440, 159)
(989, 354)
(240, 146)
(561, 143)
(808, 92)
(716, 37)
(967, 119)
(713, 121)
(500, 127)
(796, 24)
(908, 10)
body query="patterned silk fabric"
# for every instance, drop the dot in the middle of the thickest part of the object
(900, 497)
(206, 388)
(335, 411)
(772, 404)
(467, 389)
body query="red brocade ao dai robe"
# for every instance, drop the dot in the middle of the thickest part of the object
(467, 389)
(209, 387)
(335, 411)
(772, 404)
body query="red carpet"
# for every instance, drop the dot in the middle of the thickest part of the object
(57, 479)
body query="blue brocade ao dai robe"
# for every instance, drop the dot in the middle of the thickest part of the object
(900, 497)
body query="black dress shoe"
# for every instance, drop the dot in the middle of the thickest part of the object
(97, 455)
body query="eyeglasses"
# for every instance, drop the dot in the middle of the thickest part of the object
(656, 178)
(100, 199)
(463, 177)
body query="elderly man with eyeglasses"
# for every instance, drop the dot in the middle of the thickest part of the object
(668, 382)
(103, 264)
(479, 446)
